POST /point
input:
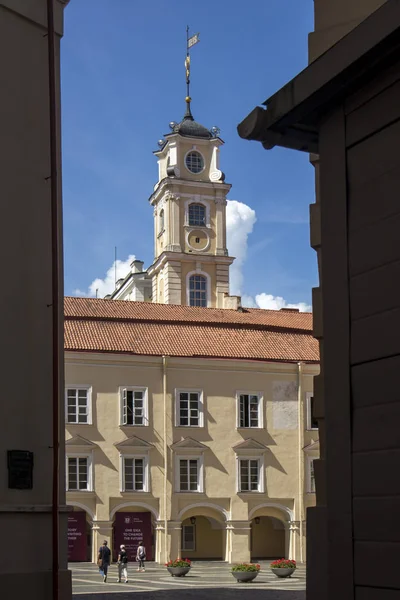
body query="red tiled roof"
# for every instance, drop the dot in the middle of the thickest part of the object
(95, 325)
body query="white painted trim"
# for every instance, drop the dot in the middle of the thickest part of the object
(134, 503)
(281, 507)
(146, 479)
(208, 278)
(194, 149)
(201, 407)
(200, 475)
(195, 199)
(310, 460)
(261, 471)
(88, 388)
(79, 505)
(226, 513)
(90, 482)
(137, 388)
(260, 408)
(309, 395)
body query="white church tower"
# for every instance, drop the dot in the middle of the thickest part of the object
(191, 261)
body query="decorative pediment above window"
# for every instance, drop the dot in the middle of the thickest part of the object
(312, 447)
(189, 445)
(77, 441)
(135, 444)
(250, 446)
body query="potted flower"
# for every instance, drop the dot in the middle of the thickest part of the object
(245, 571)
(283, 567)
(178, 567)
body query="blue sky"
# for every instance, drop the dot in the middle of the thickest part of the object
(123, 82)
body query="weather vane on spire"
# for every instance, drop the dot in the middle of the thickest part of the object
(190, 41)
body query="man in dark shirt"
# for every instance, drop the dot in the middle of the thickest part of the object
(104, 559)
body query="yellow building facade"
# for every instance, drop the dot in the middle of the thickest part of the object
(216, 451)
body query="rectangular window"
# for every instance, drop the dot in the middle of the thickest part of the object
(134, 479)
(249, 410)
(134, 406)
(312, 423)
(189, 537)
(78, 473)
(311, 476)
(189, 475)
(189, 413)
(78, 405)
(249, 475)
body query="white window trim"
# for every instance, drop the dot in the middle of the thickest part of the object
(146, 480)
(89, 457)
(310, 459)
(194, 538)
(309, 395)
(208, 279)
(200, 481)
(260, 409)
(196, 200)
(261, 471)
(177, 407)
(195, 149)
(86, 387)
(134, 388)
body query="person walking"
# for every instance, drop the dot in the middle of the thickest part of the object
(104, 559)
(122, 564)
(141, 556)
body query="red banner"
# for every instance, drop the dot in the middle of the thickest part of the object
(77, 540)
(130, 529)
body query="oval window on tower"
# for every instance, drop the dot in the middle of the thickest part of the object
(194, 162)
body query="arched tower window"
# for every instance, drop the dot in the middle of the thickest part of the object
(197, 290)
(197, 215)
(161, 220)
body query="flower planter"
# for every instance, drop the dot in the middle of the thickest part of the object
(244, 576)
(178, 571)
(282, 572)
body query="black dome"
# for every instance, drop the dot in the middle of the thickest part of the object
(190, 128)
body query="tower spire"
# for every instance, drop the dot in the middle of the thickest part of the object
(190, 41)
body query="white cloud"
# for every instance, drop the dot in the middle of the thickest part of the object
(107, 285)
(267, 301)
(240, 220)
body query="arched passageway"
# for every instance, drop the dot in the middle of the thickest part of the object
(80, 539)
(268, 538)
(131, 525)
(203, 533)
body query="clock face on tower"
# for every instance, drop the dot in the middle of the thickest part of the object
(198, 240)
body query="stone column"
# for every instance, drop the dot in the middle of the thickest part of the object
(159, 529)
(102, 530)
(175, 532)
(220, 242)
(239, 533)
(174, 241)
(293, 527)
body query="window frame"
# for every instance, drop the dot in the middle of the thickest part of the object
(179, 391)
(202, 158)
(310, 472)
(205, 291)
(146, 472)
(200, 472)
(208, 286)
(183, 538)
(261, 479)
(309, 396)
(76, 387)
(260, 397)
(89, 459)
(133, 389)
(204, 207)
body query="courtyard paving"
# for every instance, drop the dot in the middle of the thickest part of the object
(204, 582)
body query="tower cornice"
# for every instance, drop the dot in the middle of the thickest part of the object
(169, 182)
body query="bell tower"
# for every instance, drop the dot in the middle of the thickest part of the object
(191, 262)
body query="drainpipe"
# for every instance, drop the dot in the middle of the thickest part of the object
(300, 501)
(55, 300)
(164, 361)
